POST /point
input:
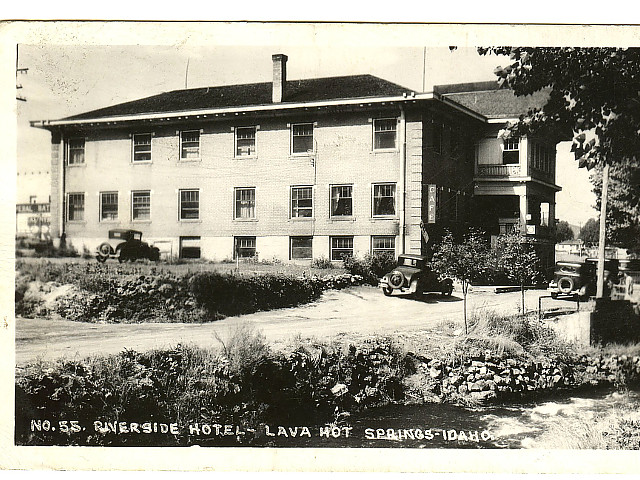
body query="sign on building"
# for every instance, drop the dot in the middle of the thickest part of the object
(432, 195)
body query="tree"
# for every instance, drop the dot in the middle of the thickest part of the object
(563, 231)
(623, 212)
(594, 97)
(467, 262)
(589, 232)
(517, 258)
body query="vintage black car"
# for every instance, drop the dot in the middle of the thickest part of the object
(412, 275)
(579, 279)
(126, 245)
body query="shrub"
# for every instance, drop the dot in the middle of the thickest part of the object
(228, 294)
(371, 268)
(322, 263)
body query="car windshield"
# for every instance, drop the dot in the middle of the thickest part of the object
(137, 236)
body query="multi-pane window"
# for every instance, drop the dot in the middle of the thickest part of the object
(189, 204)
(384, 199)
(245, 141)
(301, 202)
(244, 247)
(341, 200)
(301, 248)
(383, 245)
(341, 247)
(511, 151)
(245, 203)
(75, 207)
(190, 144)
(142, 147)
(302, 138)
(76, 151)
(141, 205)
(109, 206)
(384, 133)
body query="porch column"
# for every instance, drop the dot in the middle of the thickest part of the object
(524, 210)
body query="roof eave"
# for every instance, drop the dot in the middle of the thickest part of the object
(213, 112)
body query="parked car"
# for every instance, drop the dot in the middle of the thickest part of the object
(412, 275)
(126, 245)
(579, 279)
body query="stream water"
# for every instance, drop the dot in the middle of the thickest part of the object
(448, 426)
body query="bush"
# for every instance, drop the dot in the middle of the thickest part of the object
(322, 263)
(372, 267)
(228, 294)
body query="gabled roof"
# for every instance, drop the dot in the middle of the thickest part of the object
(296, 91)
(488, 99)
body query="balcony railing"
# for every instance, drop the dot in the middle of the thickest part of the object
(499, 170)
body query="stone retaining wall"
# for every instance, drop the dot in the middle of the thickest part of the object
(485, 377)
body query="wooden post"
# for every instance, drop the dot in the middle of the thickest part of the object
(603, 224)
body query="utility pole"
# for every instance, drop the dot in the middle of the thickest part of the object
(19, 71)
(603, 224)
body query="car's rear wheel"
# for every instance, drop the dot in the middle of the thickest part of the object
(101, 259)
(447, 288)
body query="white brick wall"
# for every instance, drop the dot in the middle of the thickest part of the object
(343, 156)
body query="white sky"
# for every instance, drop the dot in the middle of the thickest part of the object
(65, 79)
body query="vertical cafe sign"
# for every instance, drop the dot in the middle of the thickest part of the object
(431, 203)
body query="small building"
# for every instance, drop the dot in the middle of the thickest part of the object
(300, 169)
(33, 215)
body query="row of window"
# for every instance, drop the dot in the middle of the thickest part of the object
(542, 158)
(245, 141)
(300, 247)
(383, 203)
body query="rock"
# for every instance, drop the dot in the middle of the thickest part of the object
(339, 389)
(483, 397)
(478, 386)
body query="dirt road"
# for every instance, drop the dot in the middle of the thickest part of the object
(361, 310)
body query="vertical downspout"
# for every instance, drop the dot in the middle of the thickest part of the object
(61, 199)
(403, 175)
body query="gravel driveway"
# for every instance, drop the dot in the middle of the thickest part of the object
(358, 310)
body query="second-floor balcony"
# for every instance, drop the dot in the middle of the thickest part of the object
(499, 171)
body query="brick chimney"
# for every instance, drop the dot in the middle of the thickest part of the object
(279, 76)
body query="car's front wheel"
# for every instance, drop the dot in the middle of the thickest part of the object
(387, 291)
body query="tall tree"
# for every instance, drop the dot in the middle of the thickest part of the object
(623, 211)
(594, 97)
(467, 261)
(563, 231)
(589, 232)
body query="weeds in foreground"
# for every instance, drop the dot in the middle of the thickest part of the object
(516, 335)
(617, 429)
